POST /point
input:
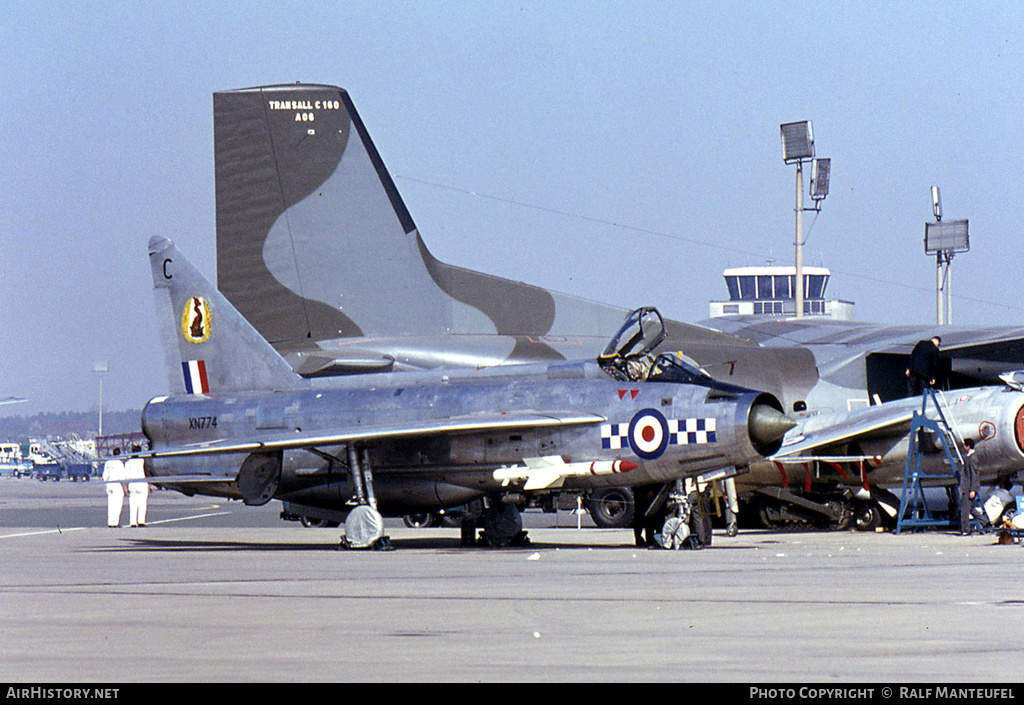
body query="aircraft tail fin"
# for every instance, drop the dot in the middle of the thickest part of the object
(316, 248)
(314, 242)
(208, 345)
(305, 207)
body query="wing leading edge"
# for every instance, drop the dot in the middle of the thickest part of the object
(454, 425)
(884, 420)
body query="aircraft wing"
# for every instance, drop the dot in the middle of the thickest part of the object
(171, 479)
(452, 425)
(968, 356)
(882, 420)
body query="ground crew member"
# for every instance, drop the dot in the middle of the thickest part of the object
(923, 368)
(113, 475)
(138, 492)
(970, 486)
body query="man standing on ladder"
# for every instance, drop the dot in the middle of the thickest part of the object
(923, 368)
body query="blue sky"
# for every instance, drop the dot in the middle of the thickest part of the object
(620, 151)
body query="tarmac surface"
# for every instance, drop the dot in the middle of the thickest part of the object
(213, 591)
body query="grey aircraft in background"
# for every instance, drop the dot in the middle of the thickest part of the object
(241, 423)
(317, 250)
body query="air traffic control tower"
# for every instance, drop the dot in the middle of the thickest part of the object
(770, 292)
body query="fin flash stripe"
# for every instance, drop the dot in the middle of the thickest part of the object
(196, 381)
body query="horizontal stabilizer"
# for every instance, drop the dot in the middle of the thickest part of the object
(318, 366)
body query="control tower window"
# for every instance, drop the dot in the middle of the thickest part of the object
(815, 286)
(747, 287)
(734, 288)
(783, 287)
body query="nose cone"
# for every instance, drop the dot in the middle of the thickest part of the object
(767, 425)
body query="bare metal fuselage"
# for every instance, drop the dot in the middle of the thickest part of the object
(423, 471)
(993, 416)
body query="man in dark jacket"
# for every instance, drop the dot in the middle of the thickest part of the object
(970, 487)
(924, 365)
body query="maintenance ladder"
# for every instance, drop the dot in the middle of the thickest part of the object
(914, 512)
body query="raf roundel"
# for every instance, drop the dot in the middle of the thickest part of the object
(648, 434)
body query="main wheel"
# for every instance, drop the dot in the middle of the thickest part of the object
(866, 516)
(612, 507)
(419, 521)
(364, 526)
(502, 525)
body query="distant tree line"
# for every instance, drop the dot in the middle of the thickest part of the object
(19, 429)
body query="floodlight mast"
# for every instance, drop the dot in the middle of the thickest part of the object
(100, 367)
(945, 240)
(798, 147)
(937, 212)
(799, 259)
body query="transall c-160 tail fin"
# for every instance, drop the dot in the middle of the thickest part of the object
(208, 345)
(314, 242)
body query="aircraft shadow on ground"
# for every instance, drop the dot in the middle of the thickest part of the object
(129, 545)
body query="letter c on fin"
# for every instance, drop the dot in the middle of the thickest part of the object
(166, 274)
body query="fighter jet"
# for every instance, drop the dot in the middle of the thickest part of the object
(318, 251)
(241, 423)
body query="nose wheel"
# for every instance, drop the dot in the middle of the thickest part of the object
(675, 533)
(688, 525)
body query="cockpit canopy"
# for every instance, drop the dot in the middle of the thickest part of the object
(640, 333)
(629, 356)
(671, 367)
(676, 367)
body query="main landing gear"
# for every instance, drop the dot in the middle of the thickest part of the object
(364, 526)
(502, 524)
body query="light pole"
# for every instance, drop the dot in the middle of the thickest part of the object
(944, 240)
(100, 367)
(798, 147)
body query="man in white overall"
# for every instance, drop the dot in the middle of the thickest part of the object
(113, 477)
(138, 492)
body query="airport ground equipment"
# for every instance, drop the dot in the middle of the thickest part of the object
(914, 512)
(1011, 526)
